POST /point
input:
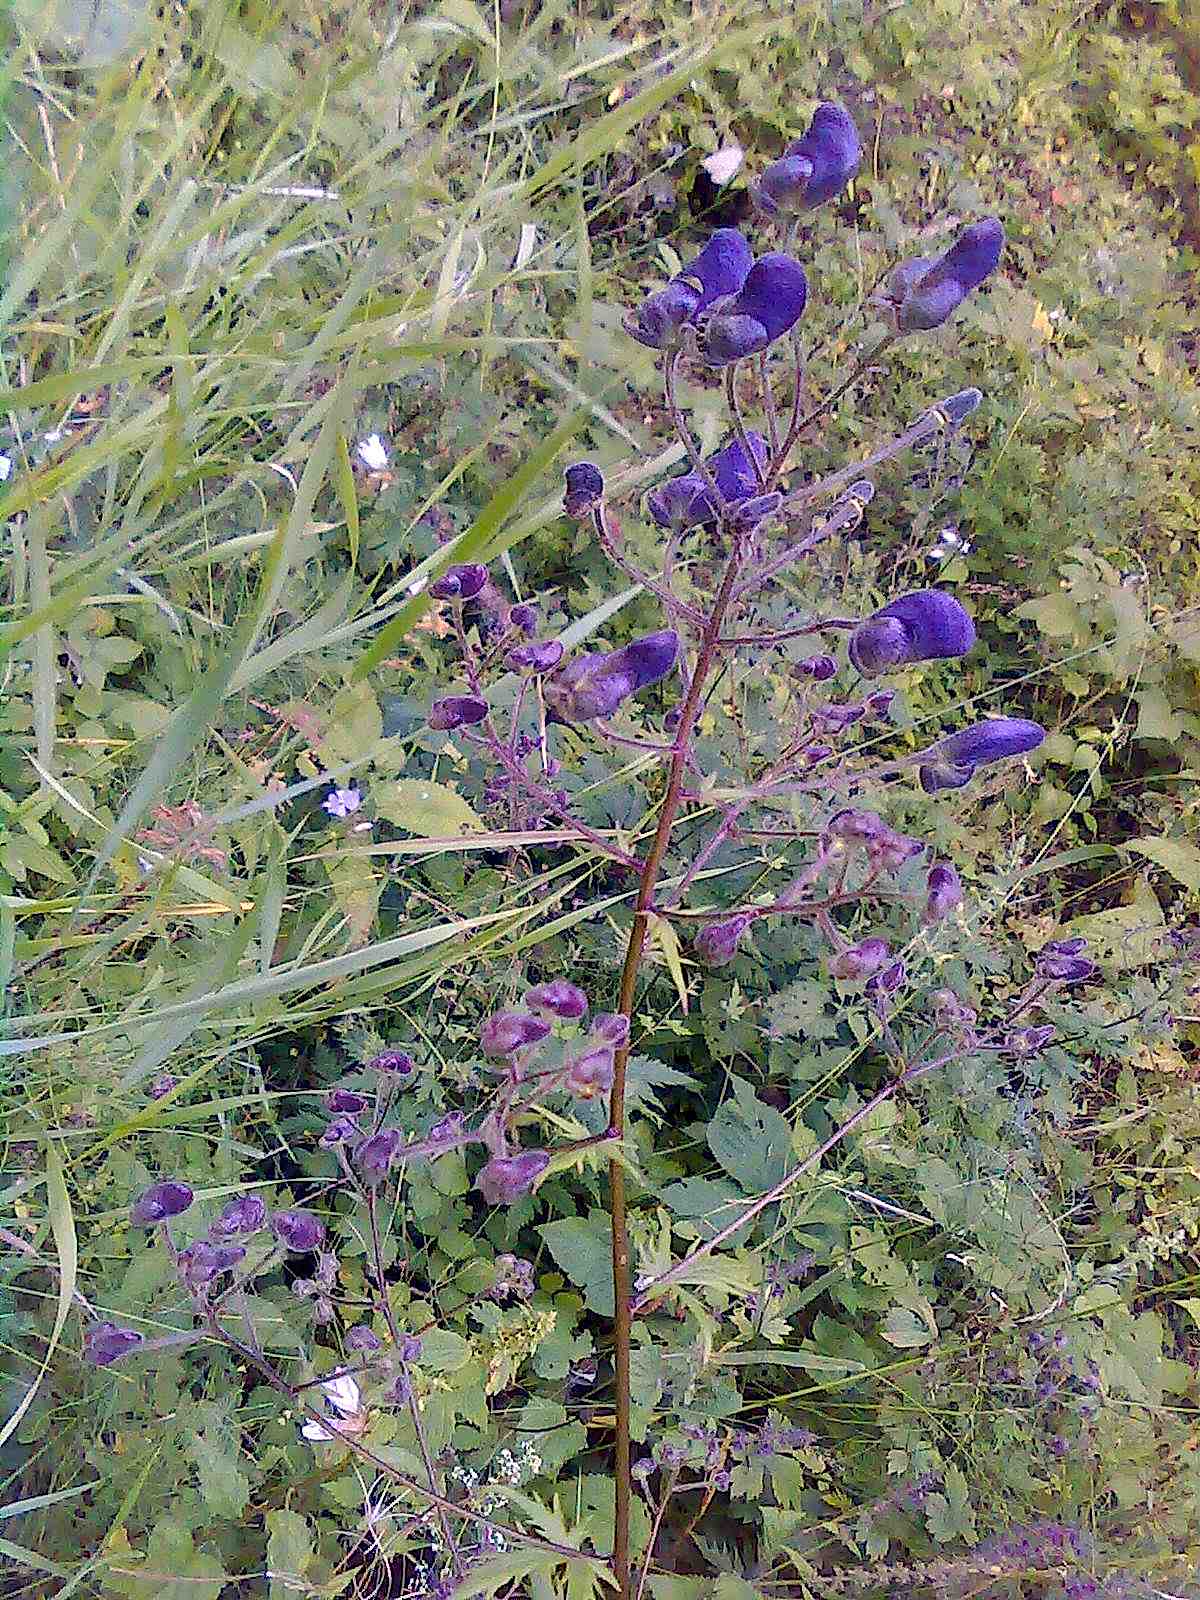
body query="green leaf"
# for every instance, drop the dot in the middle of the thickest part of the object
(906, 1330)
(290, 1550)
(66, 1244)
(752, 1141)
(949, 1516)
(1179, 857)
(213, 1447)
(431, 810)
(1124, 936)
(442, 1350)
(584, 1252)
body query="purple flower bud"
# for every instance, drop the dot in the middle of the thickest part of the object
(299, 1231)
(720, 269)
(612, 1027)
(815, 168)
(879, 703)
(834, 718)
(506, 1032)
(505, 1179)
(860, 960)
(409, 1347)
(459, 583)
(347, 1100)
(951, 762)
(397, 1062)
(943, 893)
(362, 1338)
(339, 1131)
(105, 1343)
(202, 1262)
(717, 944)
(926, 298)
(594, 685)
(457, 711)
(540, 656)
(160, 1201)
(642, 1469)
(1065, 968)
(584, 489)
(927, 625)
(819, 668)
(853, 826)
(884, 984)
(560, 998)
(1065, 947)
(956, 408)
(591, 1073)
(246, 1214)
(770, 303)
(721, 1480)
(375, 1155)
(685, 501)
(525, 617)
(447, 1134)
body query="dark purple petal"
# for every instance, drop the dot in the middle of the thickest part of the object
(374, 1157)
(525, 617)
(362, 1338)
(781, 188)
(347, 1100)
(612, 1027)
(459, 583)
(560, 998)
(834, 153)
(956, 408)
(651, 657)
(860, 960)
(734, 472)
(594, 685)
(927, 300)
(1064, 968)
(853, 826)
(943, 893)
(885, 983)
(771, 302)
(687, 500)
(993, 740)
(506, 1179)
(721, 267)
(929, 304)
(584, 489)
(393, 1061)
(105, 1343)
(660, 316)
(509, 1031)
(160, 1201)
(927, 625)
(339, 1131)
(974, 255)
(591, 1073)
(457, 711)
(717, 944)
(246, 1214)
(819, 668)
(541, 656)
(298, 1230)
(733, 336)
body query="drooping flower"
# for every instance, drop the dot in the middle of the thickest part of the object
(943, 892)
(560, 998)
(584, 489)
(397, 1062)
(342, 802)
(542, 655)
(812, 169)
(684, 501)
(339, 1131)
(505, 1179)
(926, 625)
(720, 269)
(924, 292)
(202, 1262)
(594, 685)
(770, 303)
(524, 616)
(159, 1202)
(1063, 961)
(506, 1032)
(591, 1073)
(360, 1337)
(459, 583)
(860, 960)
(457, 711)
(246, 1214)
(374, 1156)
(343, 1400)
(105, 1343)
(298, 1230)
(819, 668)
(612, 1027)
(717, 944)
(951, 762)
(348, 1101)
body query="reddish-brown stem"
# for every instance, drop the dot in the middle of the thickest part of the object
(622, 1322)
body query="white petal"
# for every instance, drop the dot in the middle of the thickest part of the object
(372, 453)
(314, 1431)
(723, 163)
(343, 1393)
(5, 468)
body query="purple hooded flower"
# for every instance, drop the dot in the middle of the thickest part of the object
(1062, 961)
(348, 1101)
(591, 1073)
(925, 293)
(375, 1155)
(819, 668)
(687, 500)
(584, 489)
(339, 1131)
(560, 998)
(506, 1032)
(505, 1179)
(160, 1201)
(951, 762)
(398, 1062)
(612, 1027)
(812, 169)
(720, 269)
(859, 961)
(246, 1214)
(446, 1134)
(594, 685)
(105, 1343)
(854, 826)
(525, 617)
(298, 1230)
(926, 625)
(943, 893)
(202, 1262)
(771, 302)
(459, 583)
(360, 1337)
(956, 408)
(457, 711)
(540, 656)
(883, 984)
(717, 944)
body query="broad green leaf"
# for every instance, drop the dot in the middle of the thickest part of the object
(290, 1551)
(1179, 857)
(584, 1252)
(432, 810)
(906, 1330)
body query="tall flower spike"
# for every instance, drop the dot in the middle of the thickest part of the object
(594, 685)
(814, 168)
(720, 269)
(925, 293)
(687, 500)
(926, 625)
(951, 762)
(770, 303)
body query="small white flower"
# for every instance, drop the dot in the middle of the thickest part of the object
(372, 453)
(345, 1397)
(723, 163)
(342, 802)
(5, 468)
(54, 437)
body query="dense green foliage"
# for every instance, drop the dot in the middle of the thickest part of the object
(245, 239)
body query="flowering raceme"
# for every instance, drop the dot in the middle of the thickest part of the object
(720, 269)
(812, 169)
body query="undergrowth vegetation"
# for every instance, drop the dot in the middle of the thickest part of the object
(342, 1037)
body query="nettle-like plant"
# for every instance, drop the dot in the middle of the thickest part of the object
(786, 807)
